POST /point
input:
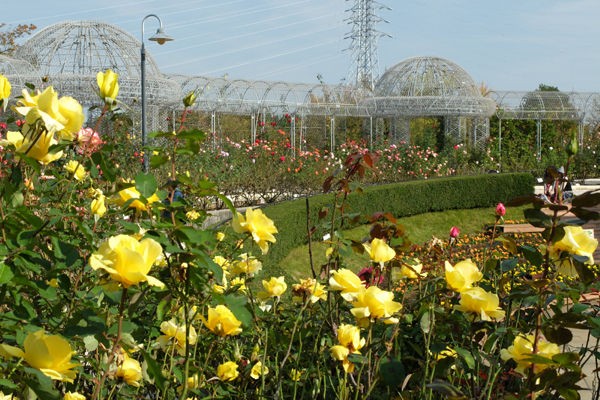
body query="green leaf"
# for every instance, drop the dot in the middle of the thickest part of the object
(237, 305)
(154, 370)
(565, 358)
(192, 135)
(107, 165)
(587, 199)
(426, 322)
(90, 342)
(558, 334)
(156, 160)
(146, 184)
(42, 387)
(7, 384)
(6, 273)
(537, 218)
(195, 236)
(532, 255)
(392, 372)
(467, 356)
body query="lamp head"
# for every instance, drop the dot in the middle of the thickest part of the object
(160, 37)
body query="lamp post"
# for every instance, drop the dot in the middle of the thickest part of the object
(160, 37)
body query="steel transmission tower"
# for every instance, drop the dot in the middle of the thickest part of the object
(364, 69)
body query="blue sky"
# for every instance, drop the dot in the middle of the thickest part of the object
(507, 44)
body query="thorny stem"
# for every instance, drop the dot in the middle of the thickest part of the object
(115, 347)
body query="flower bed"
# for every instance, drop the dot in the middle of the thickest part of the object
(109, 288)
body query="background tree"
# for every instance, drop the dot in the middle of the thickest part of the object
(9, 36)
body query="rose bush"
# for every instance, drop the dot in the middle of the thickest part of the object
(111, 288)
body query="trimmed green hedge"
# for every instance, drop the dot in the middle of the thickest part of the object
(401, 199)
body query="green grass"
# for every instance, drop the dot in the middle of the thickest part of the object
(419, 229)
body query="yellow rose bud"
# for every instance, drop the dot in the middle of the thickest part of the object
(5, 89)
(189, 99)
(108, 85)
(227, 371)
(98, 206)
(379, 251)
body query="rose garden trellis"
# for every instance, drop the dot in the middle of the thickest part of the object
(68, 55)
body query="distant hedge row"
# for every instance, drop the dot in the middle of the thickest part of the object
(400, 199)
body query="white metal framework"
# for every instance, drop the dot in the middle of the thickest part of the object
(432, 87)
(70, 54)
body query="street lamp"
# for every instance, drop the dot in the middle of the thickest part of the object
(160, 37)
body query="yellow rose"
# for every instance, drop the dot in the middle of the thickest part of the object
(128, 260)
(308, 288)
(295, 375)
(575, 241)
(4, 90)
(98, 206)
(192, 215)
(258, 370)
(6, 396)
(222, 322)
(227, 371)
(130, 195)
(350, 342)
(341, 353)
(36, 149)
(258, 225)
(220, 236)
(347, 282)
(51, 354)
(349, 336)
(248, 265)
(379, 251)
(274, 287)
(71, 116)
(108, 85)
(484, 304)
(73, 396)
(411, 270)
(130, 370)
(462, 276)
(374, 303)
(76, 169)
(522, 349)
(175, 334)
(63, 116)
